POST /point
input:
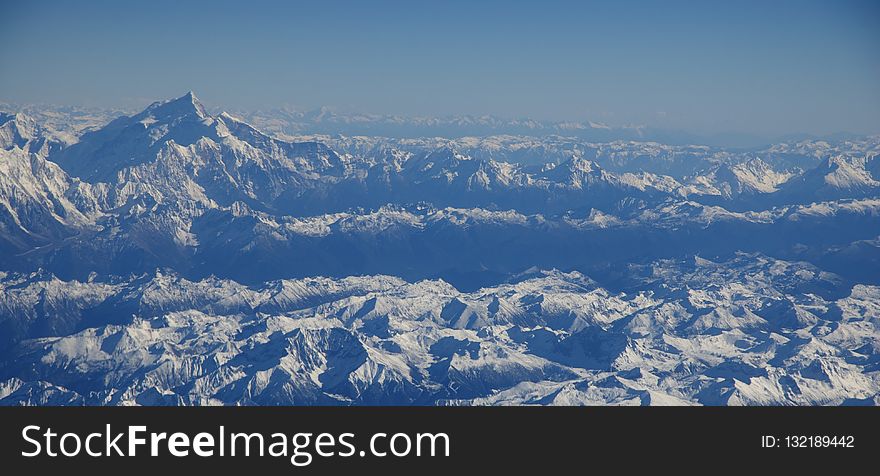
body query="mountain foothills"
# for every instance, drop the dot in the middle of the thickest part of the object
(183, 258)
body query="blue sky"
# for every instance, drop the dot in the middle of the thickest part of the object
(759, 67)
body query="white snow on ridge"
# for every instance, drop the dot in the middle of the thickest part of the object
(746, 331)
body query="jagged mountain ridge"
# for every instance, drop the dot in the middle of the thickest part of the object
(752, 330)
(431, 249)
(175, 174)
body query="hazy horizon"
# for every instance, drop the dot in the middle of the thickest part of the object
(752, 69)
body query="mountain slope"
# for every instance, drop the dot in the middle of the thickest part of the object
(176, 256)
(752, 330)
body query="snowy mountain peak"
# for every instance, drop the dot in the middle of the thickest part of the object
(131, 141)
(849, 172)
(184, 106)
(16, 130)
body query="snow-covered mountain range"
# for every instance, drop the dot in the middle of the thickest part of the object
(176, 256)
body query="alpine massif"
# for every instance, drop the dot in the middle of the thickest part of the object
(180, 257)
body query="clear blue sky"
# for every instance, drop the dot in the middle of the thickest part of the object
(765, 67)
